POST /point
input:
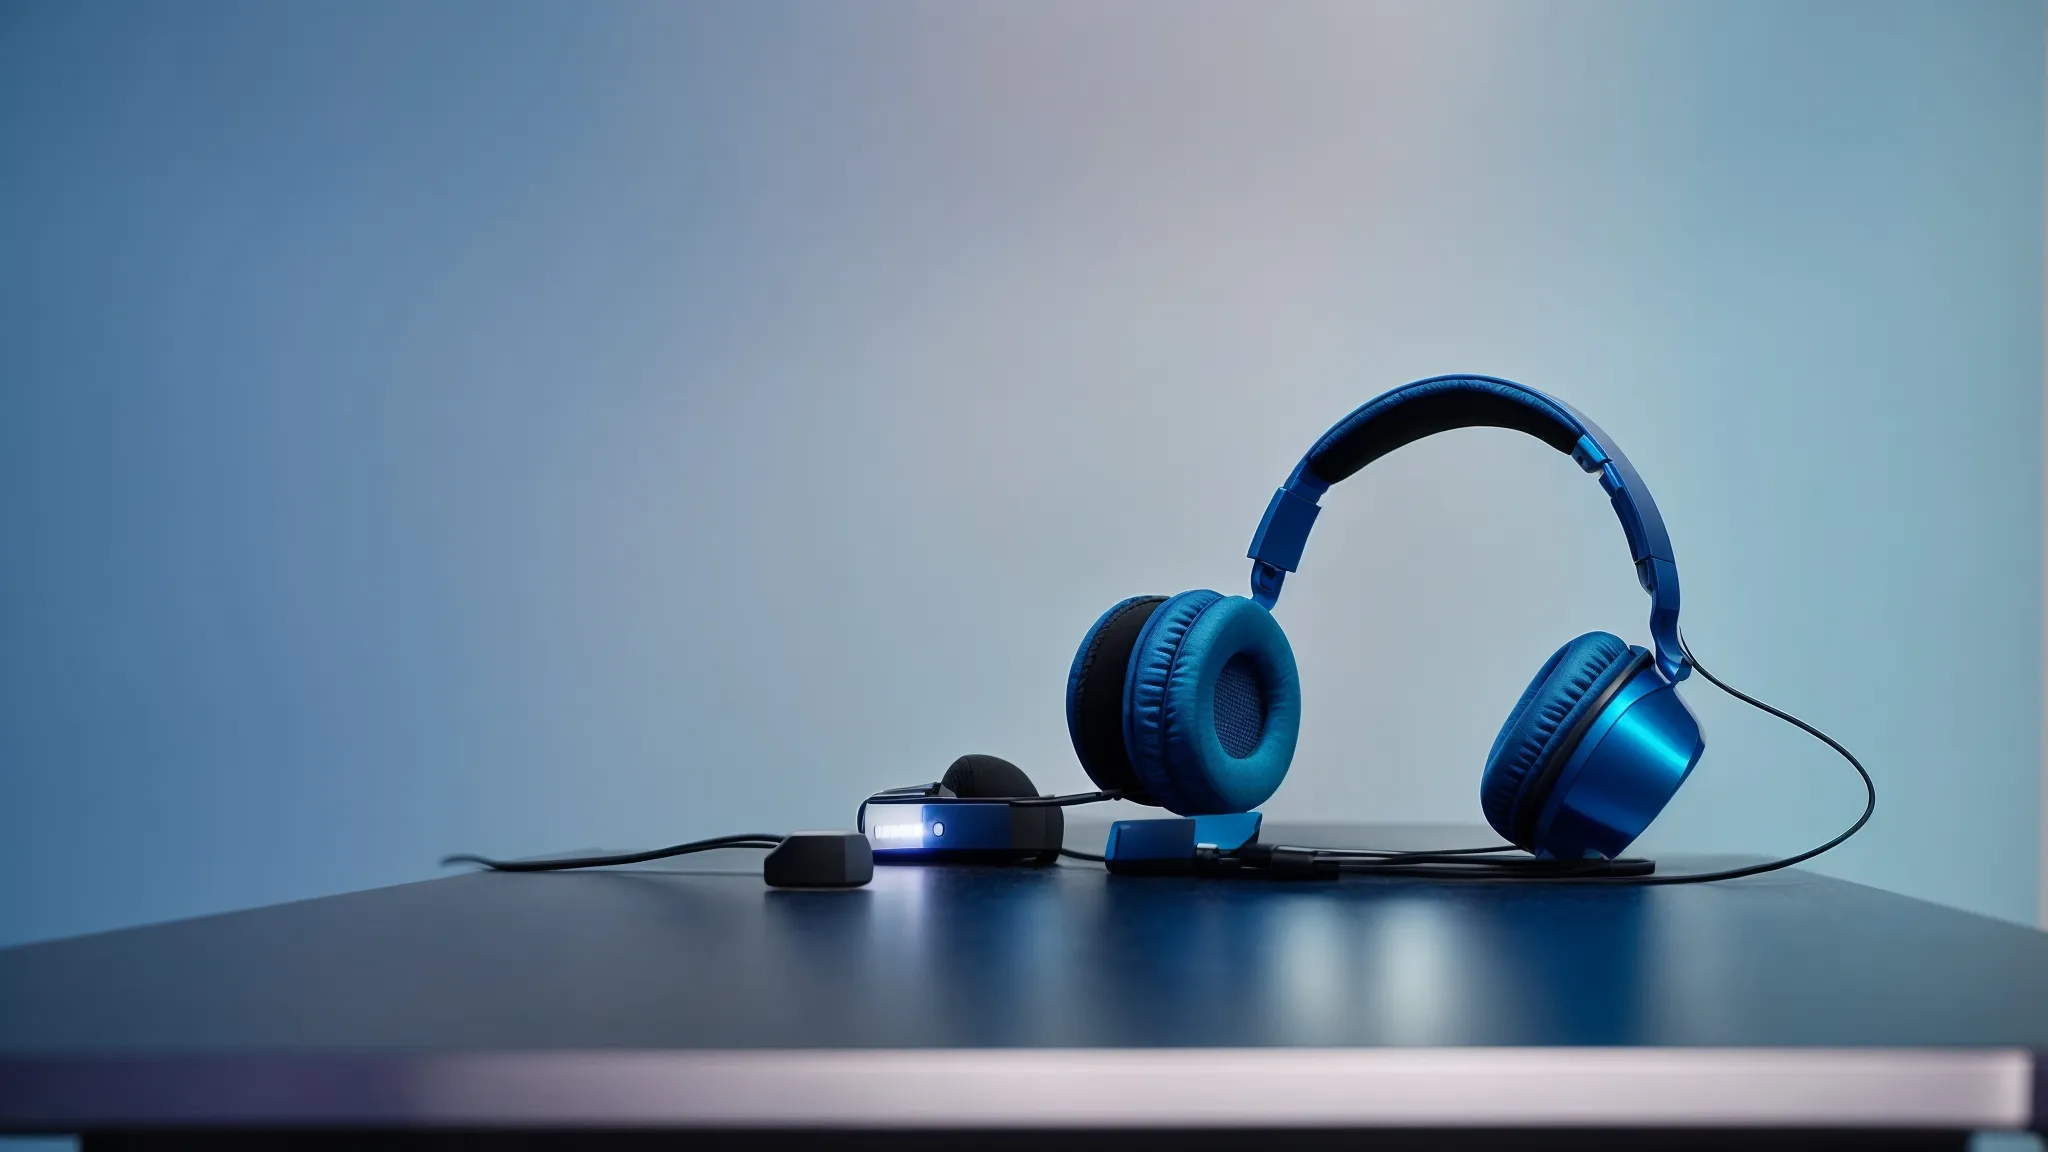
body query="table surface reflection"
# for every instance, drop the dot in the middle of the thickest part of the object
(699, 954)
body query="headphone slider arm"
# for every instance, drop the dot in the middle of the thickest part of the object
(1283, 531)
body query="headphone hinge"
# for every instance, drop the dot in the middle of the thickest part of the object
(1283, 530)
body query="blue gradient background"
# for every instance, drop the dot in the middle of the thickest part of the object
(511, 426)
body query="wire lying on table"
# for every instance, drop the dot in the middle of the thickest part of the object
(740, 840)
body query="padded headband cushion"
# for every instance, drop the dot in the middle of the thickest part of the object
(1095, 696)
(1568, 684)
(1428, 407)
(1212, 704)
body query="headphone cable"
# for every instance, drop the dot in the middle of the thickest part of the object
(762, 839)
(741, 840)
(917, 794)
(1869, 792)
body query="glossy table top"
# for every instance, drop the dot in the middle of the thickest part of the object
(698, 954)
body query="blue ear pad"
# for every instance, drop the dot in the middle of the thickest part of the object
(1095, 696)
(1547, 719)
(1212, 704)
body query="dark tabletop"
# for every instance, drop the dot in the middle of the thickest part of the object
(690, 995)
(700, 954)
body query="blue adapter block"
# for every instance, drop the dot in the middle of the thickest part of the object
(1150, 847)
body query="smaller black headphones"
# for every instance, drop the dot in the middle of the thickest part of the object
(980, 777)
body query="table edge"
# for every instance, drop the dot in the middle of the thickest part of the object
(1928, 1088)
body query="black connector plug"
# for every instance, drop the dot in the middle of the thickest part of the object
(820, 860)
(1281, 862)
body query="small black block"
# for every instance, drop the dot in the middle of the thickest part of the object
(820, 860)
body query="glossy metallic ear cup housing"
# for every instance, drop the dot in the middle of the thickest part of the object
(1593, 750)
(1525, 756)
(1208, 708)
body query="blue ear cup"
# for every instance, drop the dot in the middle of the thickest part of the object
(1212, 704)
(1593, 750)
(1544, 718)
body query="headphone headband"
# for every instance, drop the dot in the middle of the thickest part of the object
(1439, 404)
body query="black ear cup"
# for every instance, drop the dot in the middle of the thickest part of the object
(1095, 697)
(988, 777)
(1545, 726)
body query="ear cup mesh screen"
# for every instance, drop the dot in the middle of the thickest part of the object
(1240, 706)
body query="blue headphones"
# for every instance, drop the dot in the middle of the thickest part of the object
(1192, 702)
